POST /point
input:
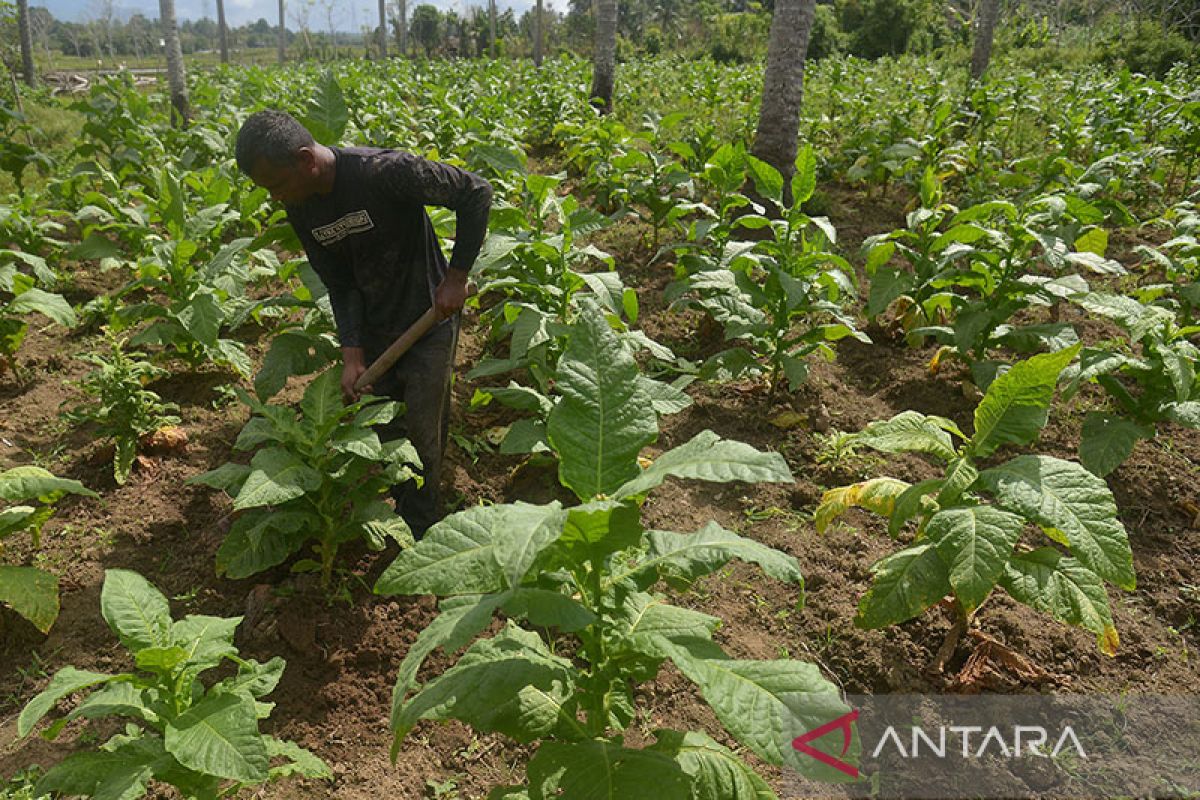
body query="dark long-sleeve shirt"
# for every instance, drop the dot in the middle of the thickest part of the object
(373, 245)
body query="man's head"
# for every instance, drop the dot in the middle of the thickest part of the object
(280, 155)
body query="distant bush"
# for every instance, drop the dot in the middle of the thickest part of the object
(877, 28)
(739, 38)
(1149, 49)
(827, 37)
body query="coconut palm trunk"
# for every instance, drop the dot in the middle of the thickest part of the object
(492, 24)
(222, 31)
(403, 27)
(281, 44)
(176, 77)
(537, 35)
(605, 57)
(26, 35)
(989, 12)
(383, 35)
(783, 88)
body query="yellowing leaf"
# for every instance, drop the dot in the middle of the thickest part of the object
(787, 420)
(1109, 641)
(878, 495)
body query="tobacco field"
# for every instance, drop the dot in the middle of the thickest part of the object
(929, 425)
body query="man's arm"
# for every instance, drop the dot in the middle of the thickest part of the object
(347, 301)
(431, 183)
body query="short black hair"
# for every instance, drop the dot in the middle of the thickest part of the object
(271, 135)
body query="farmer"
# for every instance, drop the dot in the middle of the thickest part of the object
(360, 214)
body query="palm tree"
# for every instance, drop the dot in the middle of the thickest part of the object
(537, 35)
(282, 43)
(492, 24)
(383, 37)
(783, 87)
(176, 78)
(404, 27)
(989, 10)
(605, 58)
(26, 36)
(222, 32)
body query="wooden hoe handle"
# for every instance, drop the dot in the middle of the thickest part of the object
(397, 349)
(402, 345)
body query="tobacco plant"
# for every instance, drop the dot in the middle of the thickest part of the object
(319, 474)
(203, 741)
(29, 494)
(971, 522)
(1151, 378)
(588, 570)
(19, 296)
(973, 271)
(121, 407)
(781, 297)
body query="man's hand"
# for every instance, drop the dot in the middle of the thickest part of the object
(354, 365)
(451, 293)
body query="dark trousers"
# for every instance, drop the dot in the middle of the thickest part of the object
(421, 380)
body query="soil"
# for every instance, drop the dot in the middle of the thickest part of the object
(343, 654)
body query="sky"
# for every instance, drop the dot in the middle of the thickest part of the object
(238, 12)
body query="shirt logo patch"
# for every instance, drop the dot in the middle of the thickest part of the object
(354, 222)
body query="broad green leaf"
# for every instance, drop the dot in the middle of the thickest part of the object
(1065, 497)
(32, 593)
(66, 681)
(1180, 367)
(258, 541)
(690, 556)
(1184, 413)
(362, 442)
(547, 608)
(1016, 404)
(101, 775)
(887, 284)
(767, 179)
(29, 483)
(906, 583)
(975, 542)
(597, 529)
(327, 113)
(1047, 580)
(604, 418)
(276, 476)
(322, 402)
(299, 761)
(119, 698)
(510, 684)
(1140, 320)
(909, 432)
(290, 353)
(521, 533)
(960, 476)
(804, 181)
(202, 317)
(137, 612)
(1106, 440)
(644, 621)
(219, 736)
(599, 770)
(45, 303)
(456, 556)
(665, 397)
(160, 659)
(714, 771)
(877, 494)
(1094, 241)
(708, 457)
(256, 678)
(460, 620)
(752, 699)
(226, 477)
(205, 640)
